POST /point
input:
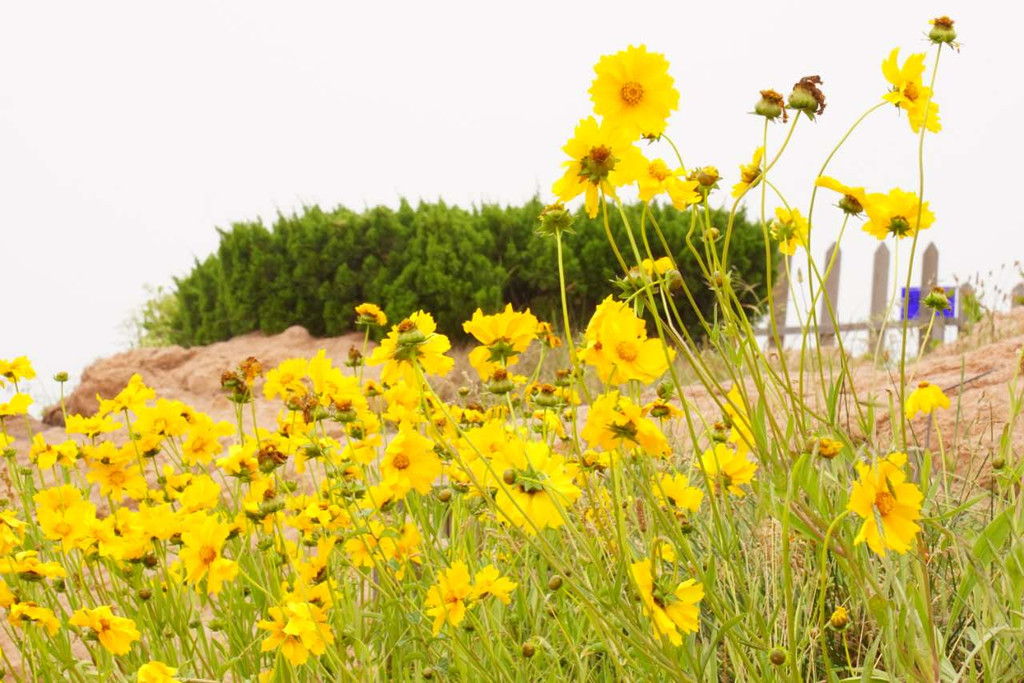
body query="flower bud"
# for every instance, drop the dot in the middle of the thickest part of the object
(529, 650)
(409, 334)
(666, 391)
(145, 594)
(942, 30)
(777, 656)
(807, 97)
(937, 300)
(509, 476)
(771, 105)
(60, 377)
(840, 618)
(554, 219)
(998, 463)
(463, 392)
(555, 582)
(428, 673)
(444, 495)
(707, 176)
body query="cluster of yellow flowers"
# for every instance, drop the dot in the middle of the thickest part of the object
(153, 528)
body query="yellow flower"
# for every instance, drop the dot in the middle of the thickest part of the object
(614, 421)
(446, 601)
(91, 427)
(12, 531)
(601, 158)
(617, 345)
(895, 214)
(287, 380)
(132, 397)
(854, 198)
(63, 515)
(541, 487)
(671, 606)
(299, 629)
(17, 369)
(414, 340)
(46, 456)
(675, 489)
(29, 612)
(659, 178)
(117, 479)
(202, 493)
(888, 504)
(750, 174)
(909, 92)
(790, 229)
(730, 466)
(925, 399)
(203, 442)
(504, 336)
(659, 267)
(155, 672)
(410, 461)
(489, 581)
(370, 314)
(202, 552)
(16, 405)
(115, 633)
(27, 566)
(634, 91)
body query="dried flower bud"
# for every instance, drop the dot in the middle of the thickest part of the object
(554, 219)
(771, 105)
(942, 30)
(807, 96)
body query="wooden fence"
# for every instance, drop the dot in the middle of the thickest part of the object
(880, 294)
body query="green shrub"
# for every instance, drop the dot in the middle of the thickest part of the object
(313, 268)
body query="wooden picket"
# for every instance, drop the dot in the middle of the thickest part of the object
(880, 294)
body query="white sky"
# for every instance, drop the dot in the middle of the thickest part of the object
(128, 131)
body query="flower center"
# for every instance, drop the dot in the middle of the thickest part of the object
(627, 351)
(63, 528)
(911, 92)
(885, 503)
(658, 170)
(104, 625)
(207, 554)
(899, 226)
(117, 477)
(596, 165)
(400, 461)
(631, 93)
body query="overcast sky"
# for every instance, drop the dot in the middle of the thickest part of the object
(128, 131)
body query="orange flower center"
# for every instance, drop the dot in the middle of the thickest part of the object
(400, 462)
(104, 625)
(627, 351)
(631, 93)
(911, 92)
(658, 170)
(207, 554)
(885, 503)
(63, 528)
(923, 385)
(117, 477)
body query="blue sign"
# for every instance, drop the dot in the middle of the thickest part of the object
(913, 306)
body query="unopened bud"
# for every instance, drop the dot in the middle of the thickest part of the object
(777, 656)
(554, 583)
(60, 377)
(807, 96)
(771, 105)
(942, 30)
(529, 650)
(444, 495)
(509, 476)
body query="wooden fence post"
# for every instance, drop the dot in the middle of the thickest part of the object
(879, 292)
(780, 302)
(828, 332)
(1017, 296)
(929, 279)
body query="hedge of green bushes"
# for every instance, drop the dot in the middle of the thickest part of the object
(311, 269)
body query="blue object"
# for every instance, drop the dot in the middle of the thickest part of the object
(913, 307)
